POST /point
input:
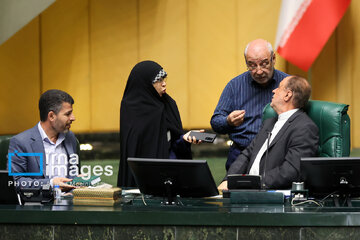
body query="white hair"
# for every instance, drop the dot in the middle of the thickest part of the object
(270, 48)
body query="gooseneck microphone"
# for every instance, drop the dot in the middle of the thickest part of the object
(266, 158)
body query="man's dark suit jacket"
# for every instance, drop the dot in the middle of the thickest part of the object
(297, 138)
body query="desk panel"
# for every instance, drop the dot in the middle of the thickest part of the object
(194, 219)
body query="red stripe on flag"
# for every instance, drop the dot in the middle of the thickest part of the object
(313, 31)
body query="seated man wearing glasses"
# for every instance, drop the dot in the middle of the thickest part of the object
(276, 150)
(238, 112)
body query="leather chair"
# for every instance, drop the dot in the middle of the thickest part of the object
(333, 123)
(4, 147)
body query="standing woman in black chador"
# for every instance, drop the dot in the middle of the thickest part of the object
(150, 124)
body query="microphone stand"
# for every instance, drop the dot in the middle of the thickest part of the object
(266, 159)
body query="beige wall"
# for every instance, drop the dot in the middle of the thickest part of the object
(20, 80)
(88, 47)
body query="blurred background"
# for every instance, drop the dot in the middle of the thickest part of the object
(88, 48)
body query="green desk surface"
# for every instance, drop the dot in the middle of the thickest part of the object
(192, 212)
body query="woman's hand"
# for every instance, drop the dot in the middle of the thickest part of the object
(223, 186)
(193, 140)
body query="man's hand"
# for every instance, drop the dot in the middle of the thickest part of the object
(62, 182)
(236, 118)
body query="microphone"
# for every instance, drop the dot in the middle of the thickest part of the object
(266, 158)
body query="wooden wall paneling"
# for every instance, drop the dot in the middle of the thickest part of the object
(324, 73)
(113, 53)
(65, 55)
(212, 56)
(163, 38)
(20, 80)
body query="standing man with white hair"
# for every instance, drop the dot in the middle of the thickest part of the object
(238, 112)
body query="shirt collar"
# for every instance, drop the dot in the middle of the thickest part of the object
(45, 138)
(286, 115)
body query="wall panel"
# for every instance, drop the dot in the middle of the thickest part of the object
(323, 73)
(19, 78)
(212, 56)
(257, 19)
(65, 55)
(113, 53)
(163, 38)
(353, 53)
(345, 45)
(345, 65)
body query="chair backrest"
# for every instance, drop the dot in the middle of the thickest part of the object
(4, 148)
(333, 123)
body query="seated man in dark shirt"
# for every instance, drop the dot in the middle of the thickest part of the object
(291, 136)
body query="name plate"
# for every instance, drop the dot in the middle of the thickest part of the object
(260, 196)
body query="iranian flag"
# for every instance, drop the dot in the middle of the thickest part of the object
(305, 26)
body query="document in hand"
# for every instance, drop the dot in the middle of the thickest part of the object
(82, 181)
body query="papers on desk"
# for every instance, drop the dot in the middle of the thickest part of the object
(83, 181)
(95, 202)
(286, 193)
(131, 191)
(215, 197)
(102, 194)
(102, 185)
(97, 193)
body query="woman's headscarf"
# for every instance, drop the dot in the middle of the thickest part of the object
(145, 118)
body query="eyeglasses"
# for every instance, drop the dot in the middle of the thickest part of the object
(264, 64)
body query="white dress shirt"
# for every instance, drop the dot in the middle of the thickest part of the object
(56, 155)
